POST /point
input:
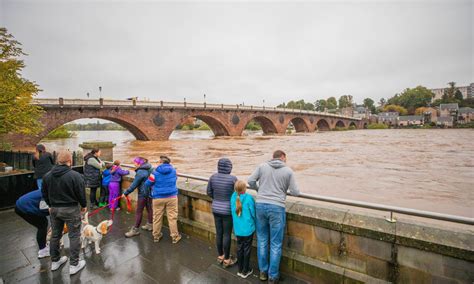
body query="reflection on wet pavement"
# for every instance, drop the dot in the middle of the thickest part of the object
(122, 260)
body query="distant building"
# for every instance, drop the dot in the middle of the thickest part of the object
(407, 120)
(430, 115)
(390, 118)
(446, 110)
(466, 91)
(347, 111)
(465, 115)
(446, 121)
(361, 112)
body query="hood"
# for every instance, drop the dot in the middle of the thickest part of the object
(88, 156)
(224, 166)
(164, 169)
(60, 170)
(144, 166)
(276, 163)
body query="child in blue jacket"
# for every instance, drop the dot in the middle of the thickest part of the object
(104, 193)
(243, 215)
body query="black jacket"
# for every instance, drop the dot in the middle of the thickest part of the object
(91, 174)
(43, 164)
(63, 187)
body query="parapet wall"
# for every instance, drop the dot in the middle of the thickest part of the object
(326, 244)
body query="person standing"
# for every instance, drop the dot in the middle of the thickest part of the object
(142, 171)
(114, 185)
(28, 208)
(64, 191)
(220, 188)
(92, 167)
(274, 180)
(42, 162)
(165, 197)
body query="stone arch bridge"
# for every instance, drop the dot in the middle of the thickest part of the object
(151, 120)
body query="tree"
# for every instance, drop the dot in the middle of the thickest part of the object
(301, 104)
(382, 102)
(331, 103)
(17, 114)
(370, 104)
(395, 108)
(412, 99)
(345, 101)
(320, 105)
(458, 95)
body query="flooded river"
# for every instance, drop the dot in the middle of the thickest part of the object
(423, 169)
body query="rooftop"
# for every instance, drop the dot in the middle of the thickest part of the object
(122, 260)
(449, 106)
(410, 117)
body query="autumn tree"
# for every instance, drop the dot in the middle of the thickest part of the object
(395, 108)
(412, 99)
(17, 114)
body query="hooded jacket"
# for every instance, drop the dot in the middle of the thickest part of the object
(116, 174)
(274, 180)
(92, 167)
(30, 203)
(141, 175)
(221, 186)
(163, 182)
(43, 164)
(63, 187)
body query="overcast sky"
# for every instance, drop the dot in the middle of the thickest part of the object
(238, 52)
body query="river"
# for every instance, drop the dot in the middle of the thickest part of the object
(430, 169)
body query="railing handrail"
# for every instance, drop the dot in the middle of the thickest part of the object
(362, 204)
(142, 103)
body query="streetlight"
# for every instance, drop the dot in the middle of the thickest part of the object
(88, 95)
(100, 92)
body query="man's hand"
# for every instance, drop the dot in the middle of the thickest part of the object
(83, 210)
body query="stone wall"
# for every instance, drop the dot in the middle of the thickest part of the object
(325, 244)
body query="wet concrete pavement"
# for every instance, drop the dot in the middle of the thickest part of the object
(122, 260)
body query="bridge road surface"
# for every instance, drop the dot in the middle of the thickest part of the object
(122, 260)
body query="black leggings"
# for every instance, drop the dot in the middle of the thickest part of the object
(244, 248)
(223, 234)
(40, 222)
(93, 196)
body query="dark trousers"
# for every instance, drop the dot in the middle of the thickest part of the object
(244, 248)
(104, 194)
(93, 196)
(40, 222)
(72, 217)
(143, 203)
(223, 234)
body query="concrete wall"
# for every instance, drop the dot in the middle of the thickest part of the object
(325, 244)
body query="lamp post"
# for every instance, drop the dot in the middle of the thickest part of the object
(100, 92)
(88, 94)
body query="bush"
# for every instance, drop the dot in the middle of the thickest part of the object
(340, 128)
(60, 132)
(5, 146)
(466, 125)
(377, 126)
(203, 127)
(352, 127)
(252, 125)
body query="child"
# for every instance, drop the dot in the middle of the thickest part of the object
(114, 185)
(104, 192)
(243, 215)
(143, 170)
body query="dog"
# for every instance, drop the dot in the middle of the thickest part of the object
(91, 234)
(61, 241)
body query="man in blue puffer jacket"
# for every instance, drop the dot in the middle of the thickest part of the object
(165, 196)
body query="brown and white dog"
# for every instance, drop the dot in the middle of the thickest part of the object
(91, 234)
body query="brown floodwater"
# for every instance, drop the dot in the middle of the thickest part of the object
(430, 169)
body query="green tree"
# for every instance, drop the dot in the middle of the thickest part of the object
(411, 99)
(345, 101)
(320, 105)
(382, 102)
(370, 104)
(331, 103)
(17, 114)
(301, 104)
(458, 95)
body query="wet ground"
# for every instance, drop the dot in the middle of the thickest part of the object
(122, 260)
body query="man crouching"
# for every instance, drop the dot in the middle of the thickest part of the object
(64, 190)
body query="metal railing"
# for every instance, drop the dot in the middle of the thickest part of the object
(120, 103)
(362, 204)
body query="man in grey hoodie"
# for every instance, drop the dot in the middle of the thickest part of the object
(274, 180)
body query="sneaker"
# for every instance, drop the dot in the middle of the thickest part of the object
(73, 269)
(263, 276)
(132, 233)
(56, 264)
(273, 281)
(42, 253)
(117, 209)
(177, 239)
(229, 262)
(148, 227)
(246, 274)
(239, 274)
(157, 239)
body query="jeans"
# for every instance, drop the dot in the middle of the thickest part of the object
(142, 203)
(93, 196)
(244, 248)
(171, 206)
(40, 222)
(271, 221)
(104, 194)
(72, 217)
(224, 226)
(39, 183)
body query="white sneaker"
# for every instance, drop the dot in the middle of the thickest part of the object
(42, 253)
(56, 264)
(73, 269)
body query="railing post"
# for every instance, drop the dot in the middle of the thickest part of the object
(101, 102)
(134, 102)
(237, 106)
(61, 102)
(161, 103)
(184, 103)
(251, 107)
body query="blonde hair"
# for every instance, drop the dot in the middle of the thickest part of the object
(64, 157)
(239, 187)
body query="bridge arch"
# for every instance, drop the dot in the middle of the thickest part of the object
(268, 127)
(322, 125)
(299, 124)
(340, 124)
(352, 124)
(217, 127)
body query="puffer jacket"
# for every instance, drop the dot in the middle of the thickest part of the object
(92, 173)
(141, 175)
(117, 172)
(221, 186)
(163, 182)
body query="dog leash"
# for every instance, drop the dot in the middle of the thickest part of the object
(129, 206)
